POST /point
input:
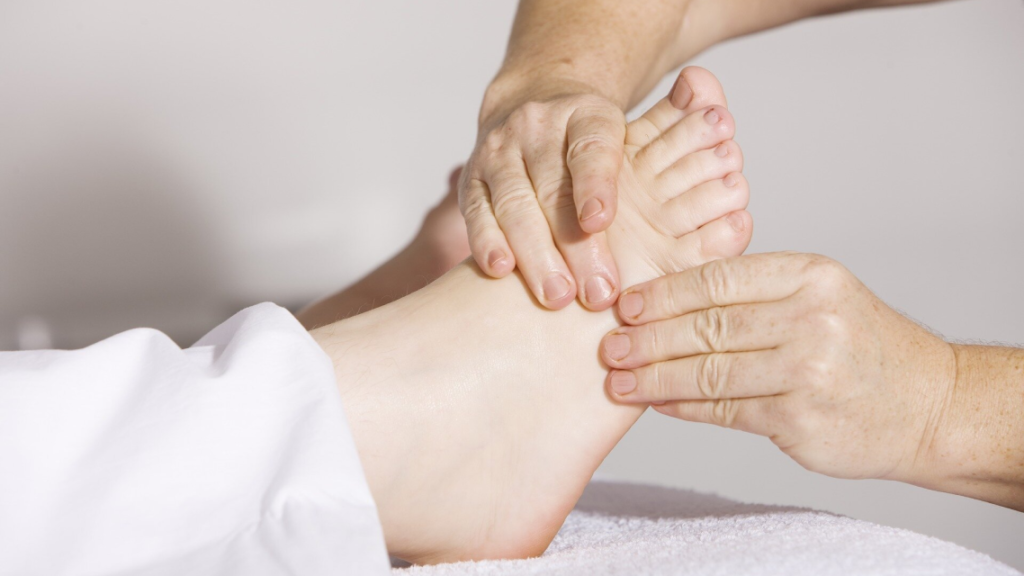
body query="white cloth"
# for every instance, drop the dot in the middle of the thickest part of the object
(134, 456)
(629, 529)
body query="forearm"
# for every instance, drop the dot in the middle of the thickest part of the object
(618, 50)
(735, 18)
(978, 447)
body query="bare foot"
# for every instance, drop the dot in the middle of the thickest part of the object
(481, 416)
(440, 244)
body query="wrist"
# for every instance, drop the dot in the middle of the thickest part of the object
(511, 89)
(974, 449)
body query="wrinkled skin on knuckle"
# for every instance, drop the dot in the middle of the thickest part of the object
(711, 329)
(473, 205)
(716, 281)
(555, 192)
(513, 205)
(724, 413)
(710, 377)
(589, 147)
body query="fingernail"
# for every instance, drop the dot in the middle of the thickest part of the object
(631, 305)
(555, 287)
(731, 180)
(722, 150)
(736, 221)
(712, 116)
(597, 290)
(681, 93)
(623, 382)
(616, 346)
(591, 208)
(495, 258)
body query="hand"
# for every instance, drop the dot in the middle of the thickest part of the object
(540, 185)
(792, 347)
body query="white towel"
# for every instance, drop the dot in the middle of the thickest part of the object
(632, 529)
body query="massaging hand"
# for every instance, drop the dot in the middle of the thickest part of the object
(539, 185)
(788, 346)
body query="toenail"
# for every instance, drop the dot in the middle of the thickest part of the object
(722, 150)
(555, 287)
(495, 258)
(631, 305)
(731, 180)
(736, 221)
(597, 290)
(681, 94)
(712, 116)
(623, 382)
(591, 208)
(617, 346)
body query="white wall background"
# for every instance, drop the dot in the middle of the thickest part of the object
(165, 163)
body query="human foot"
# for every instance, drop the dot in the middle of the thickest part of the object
(479, 415)
(440, 244)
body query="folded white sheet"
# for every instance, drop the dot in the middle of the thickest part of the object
(632, 529)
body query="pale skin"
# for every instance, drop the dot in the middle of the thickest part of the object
(479, 415)
(574, 65)
(793, 347)
(541, 182)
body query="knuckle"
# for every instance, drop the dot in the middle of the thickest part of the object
(494, 142)
(815, 372)
(532, 112)
(825, 273)
(710, 377)
(474, 206)
(555, 192)
(589, 146)
(724, 412)
(716, 282)
(711, 329)
(513, 204)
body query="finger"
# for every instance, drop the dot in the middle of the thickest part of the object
(587, 255)
(486, 240)
(519, 214)
(742, 280)
(736, 328)
(705, 377)
(755, 415)
(596, 136)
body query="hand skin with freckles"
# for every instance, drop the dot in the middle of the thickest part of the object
(793, 347)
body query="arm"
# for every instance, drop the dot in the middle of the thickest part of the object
(978, 447)
(608, 48)
(793, 347)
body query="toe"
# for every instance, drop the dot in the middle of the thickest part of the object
(703, 129)
(697, 168)
(695, 89)
(704, 204)
(725, 237)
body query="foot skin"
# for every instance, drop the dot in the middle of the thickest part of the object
(440, 244)
(479, 415)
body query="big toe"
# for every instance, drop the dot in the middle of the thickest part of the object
(695, 89)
